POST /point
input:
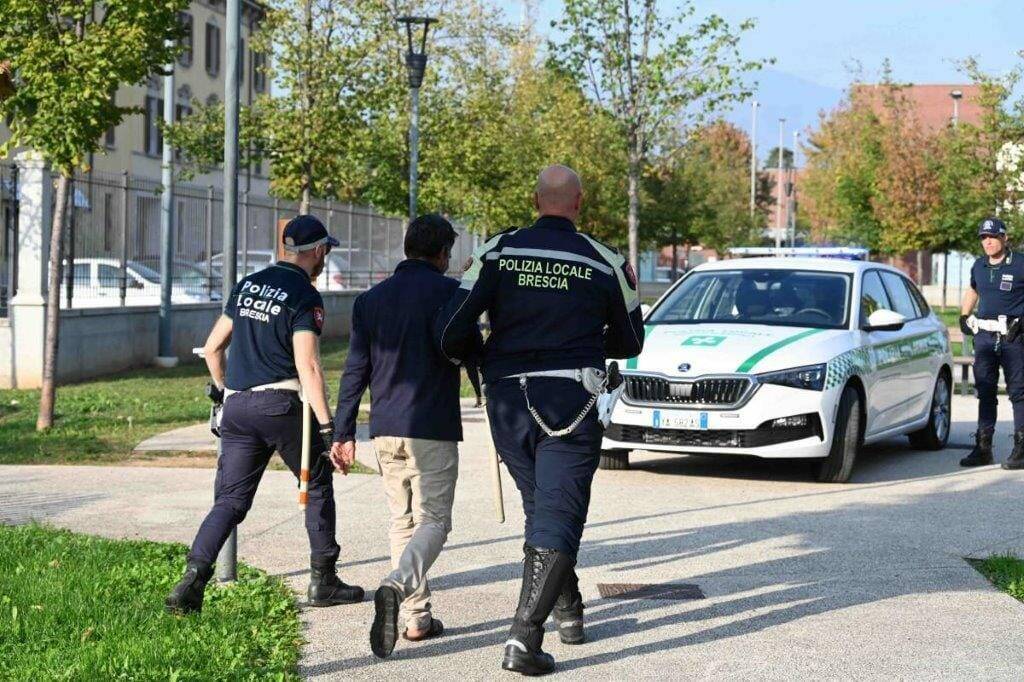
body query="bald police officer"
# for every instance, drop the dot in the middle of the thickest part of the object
(559, 304)
(997, 289)
(272, 324)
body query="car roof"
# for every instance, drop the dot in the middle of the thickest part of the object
(795, 263)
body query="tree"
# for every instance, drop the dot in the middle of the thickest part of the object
(327, 65)
(66, 57)
(844, 156)
(653, 70)
(771, 159)
(700, 193)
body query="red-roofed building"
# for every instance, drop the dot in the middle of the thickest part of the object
(933, 104)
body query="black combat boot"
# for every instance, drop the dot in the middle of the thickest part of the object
(544, 573)
(187, 595)
(568, 611)
(1016, 460)
(325, 589)
(981, 455)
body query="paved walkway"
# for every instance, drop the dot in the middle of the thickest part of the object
(801, 580)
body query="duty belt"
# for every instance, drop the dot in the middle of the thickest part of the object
(593, 380)
(284, 385)
(998, 325)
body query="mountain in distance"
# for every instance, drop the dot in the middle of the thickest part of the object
(783, 95)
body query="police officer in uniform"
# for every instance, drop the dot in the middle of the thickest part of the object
(559, 304)
(272, 323)
(997, 288)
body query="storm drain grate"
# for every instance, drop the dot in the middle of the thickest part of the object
(648, 591)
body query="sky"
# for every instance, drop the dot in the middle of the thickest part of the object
(817, 45)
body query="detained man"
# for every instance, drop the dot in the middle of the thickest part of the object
(415, 422)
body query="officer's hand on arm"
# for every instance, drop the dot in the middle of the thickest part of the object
(968, 322)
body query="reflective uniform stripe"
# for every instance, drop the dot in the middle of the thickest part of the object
(630, 295)
(470, 276)
(550, 253)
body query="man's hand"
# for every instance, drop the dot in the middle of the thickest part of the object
(343, 455)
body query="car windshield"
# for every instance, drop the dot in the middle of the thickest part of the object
(144, 272)
(788, 298)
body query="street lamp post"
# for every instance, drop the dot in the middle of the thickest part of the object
(779, 190)
(792, 191)
(753, 159)
(957, 95)
(415, 65)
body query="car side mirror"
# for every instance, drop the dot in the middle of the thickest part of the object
(644, 310)
(885, 321)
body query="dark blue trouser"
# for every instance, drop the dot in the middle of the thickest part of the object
(254, 425)
(553, 474)
(987, 361)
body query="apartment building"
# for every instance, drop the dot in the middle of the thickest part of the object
(199, 73)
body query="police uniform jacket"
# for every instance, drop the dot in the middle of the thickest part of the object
(555, 299)
(1000, 286)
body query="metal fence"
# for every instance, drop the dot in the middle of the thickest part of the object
(9, 243)
(112, 247)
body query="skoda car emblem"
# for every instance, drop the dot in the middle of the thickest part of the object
(685, 367)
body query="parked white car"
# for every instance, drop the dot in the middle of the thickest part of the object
(785, 358)
(338, 275)
(97, 284)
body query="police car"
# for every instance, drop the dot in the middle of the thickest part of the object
(785, 358)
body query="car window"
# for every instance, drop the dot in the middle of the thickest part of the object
(901, 299)
(82, 274)
(872, 296)
(109, 276)
(922, 305)
(792, 298)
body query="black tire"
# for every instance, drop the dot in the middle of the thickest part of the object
(614, 459)
(837, 467)
(935, 433)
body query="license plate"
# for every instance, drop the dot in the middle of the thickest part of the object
(688, 421)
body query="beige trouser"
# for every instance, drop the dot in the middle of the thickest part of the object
(419, 480)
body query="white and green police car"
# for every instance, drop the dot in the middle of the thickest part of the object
(785, 358)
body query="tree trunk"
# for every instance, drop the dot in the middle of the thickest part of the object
(304, 203)
(634, 210)
(48, 395)
(920, 267)
(945, 277)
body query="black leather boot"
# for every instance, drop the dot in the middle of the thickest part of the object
(187, 595)
(544, 573)
(1016, 460)
(568, 611)
(981, 455)
(325, 589)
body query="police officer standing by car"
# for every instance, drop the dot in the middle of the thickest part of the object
(272, 323)
(997, 289)
(559, 304)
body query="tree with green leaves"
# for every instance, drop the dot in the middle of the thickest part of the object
(771, 159)
(65, 59)
(654, 68)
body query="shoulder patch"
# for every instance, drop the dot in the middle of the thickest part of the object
(318, 317)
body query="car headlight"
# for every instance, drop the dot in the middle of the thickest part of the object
(811, 377)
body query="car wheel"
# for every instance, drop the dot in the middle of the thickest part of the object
(935, 433)
(614, 459)
(836, 468)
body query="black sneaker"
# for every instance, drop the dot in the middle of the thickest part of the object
(384, 631)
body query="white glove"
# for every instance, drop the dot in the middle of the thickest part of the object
(972, 322)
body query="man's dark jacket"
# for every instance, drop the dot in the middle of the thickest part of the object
(414, 390)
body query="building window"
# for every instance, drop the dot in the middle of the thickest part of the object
(183, 107)
(153, 111)
(110, 136)
(108, 222)
(212, 101)
(185, 56)
(258, 62)
(212, 49)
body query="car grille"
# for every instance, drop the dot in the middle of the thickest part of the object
(763, 435)
(650, 389)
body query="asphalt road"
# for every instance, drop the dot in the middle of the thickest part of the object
(799, 580)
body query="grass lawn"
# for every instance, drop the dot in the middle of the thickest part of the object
(1006, 572)
(101, 420)
(78, 607)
